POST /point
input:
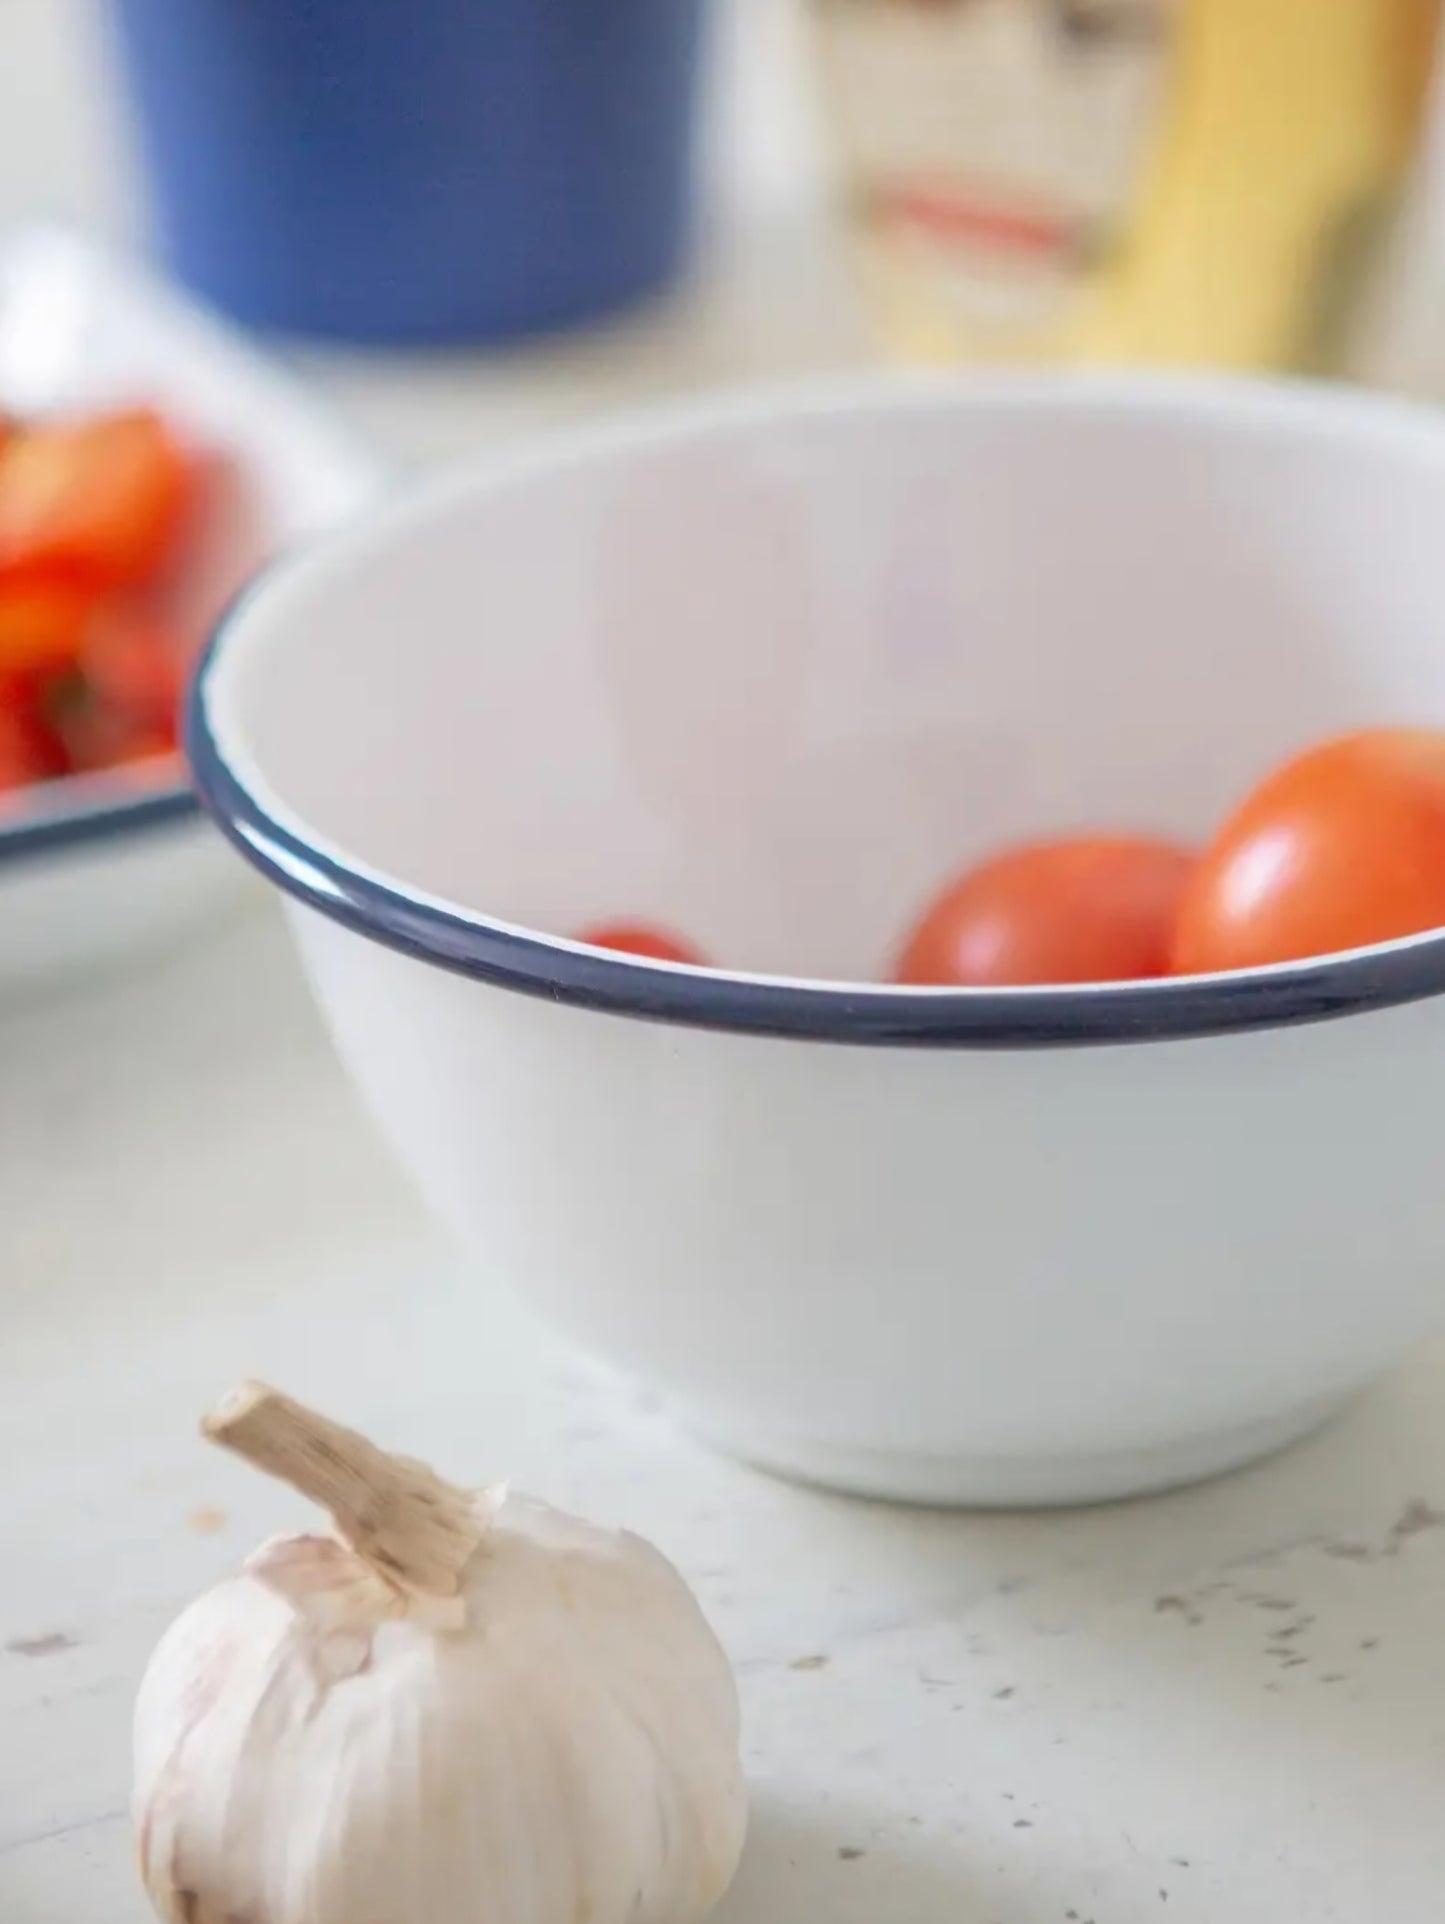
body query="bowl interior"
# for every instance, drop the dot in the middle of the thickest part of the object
(770, 673)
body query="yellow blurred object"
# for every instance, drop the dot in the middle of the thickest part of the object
(1203, 182)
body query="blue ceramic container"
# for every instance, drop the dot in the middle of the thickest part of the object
(413, 171)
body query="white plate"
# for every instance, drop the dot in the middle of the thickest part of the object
(93, 870)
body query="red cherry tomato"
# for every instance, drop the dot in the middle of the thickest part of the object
(1094, 909)
(637, 938)
(1342, 847)
(102, 498)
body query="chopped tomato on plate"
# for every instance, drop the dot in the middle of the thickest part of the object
(43, 624)
(92, 512)
(103, 498)
(123, 704)
(135, 665)
(28, 751)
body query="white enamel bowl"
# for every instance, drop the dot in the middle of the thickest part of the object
(768, 672)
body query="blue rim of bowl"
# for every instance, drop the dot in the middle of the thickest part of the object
(53, 829)
(861, 1014)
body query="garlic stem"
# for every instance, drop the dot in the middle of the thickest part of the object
(396, 1514)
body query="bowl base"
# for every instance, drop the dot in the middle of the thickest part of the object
(1018, 1482)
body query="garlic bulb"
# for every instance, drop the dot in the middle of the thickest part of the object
(462, 1709)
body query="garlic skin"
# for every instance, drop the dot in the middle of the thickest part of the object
(554, 1743)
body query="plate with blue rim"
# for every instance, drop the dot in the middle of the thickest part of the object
(94, 868)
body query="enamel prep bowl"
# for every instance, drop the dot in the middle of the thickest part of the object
(768, 671)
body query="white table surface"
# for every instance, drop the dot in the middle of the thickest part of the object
(1225, 1705)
